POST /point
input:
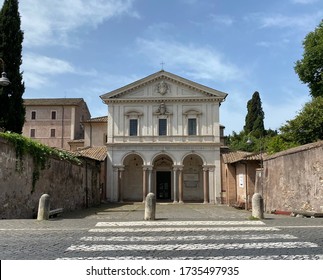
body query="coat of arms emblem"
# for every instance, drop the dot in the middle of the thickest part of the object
(162, 87)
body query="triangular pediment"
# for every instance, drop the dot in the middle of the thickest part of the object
(162, 85)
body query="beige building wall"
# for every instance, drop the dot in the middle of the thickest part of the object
(95, 132)
(55, 122)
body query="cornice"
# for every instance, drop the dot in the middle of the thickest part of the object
(165, 100)
(163, 76)
(165, 144)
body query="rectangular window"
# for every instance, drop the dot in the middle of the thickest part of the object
(33, 115)
(32, 133)
(162, 127)
(52, 132)
(53, 115)
(133, 125)
(191, 126)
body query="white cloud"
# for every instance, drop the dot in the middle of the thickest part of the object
(39, 69)
(304, 1)
(48, 22)
(270, 44)
(305, 22)
(222, 20)
(199, 62)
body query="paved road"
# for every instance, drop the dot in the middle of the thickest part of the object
(186, 231)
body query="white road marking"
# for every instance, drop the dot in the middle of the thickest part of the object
(187, 238)
(191, 247)
(183, 234)
(262, 257)
(177, 223)
(183, 229)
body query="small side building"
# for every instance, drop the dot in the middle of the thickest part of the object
(238, 175)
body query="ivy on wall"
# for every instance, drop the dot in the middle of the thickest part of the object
(40, 154)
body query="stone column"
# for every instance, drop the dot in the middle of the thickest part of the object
(43, 208)
(205, 184)
(120, 183)
(115, 186)
(257, 206)
(144, 183)
(180, 184)
(150, 171)
(175, 183)
(150, 207)
(211, 185)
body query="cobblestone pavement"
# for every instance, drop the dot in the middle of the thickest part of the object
(180, 231)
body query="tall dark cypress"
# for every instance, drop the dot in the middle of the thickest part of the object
(12, 111)
(255, 117)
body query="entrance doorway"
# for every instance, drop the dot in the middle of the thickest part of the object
(163, 185)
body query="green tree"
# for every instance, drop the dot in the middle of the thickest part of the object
(310, 67)
(278, 143)
(307, 126)
(254, 137)
(12, 111)
(254, 122)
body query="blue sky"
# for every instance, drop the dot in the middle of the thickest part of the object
(81, 48)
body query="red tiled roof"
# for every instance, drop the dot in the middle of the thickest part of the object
(97, 153)
(98, 119)
(53, 101)
(232, 157)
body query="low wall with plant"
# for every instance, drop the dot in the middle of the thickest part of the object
(29, 169)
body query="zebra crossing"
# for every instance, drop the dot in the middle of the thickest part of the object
(190, 240)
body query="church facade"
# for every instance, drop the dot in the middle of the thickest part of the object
(164, 137)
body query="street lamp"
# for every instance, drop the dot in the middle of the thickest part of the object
(4, 81)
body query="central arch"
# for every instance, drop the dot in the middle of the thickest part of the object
(163, 166)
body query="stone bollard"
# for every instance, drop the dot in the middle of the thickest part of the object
(257, 206)
(150, 207)
(43, 208)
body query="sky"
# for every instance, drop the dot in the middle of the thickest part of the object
(83, 49)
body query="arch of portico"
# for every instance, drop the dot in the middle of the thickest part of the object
(130, 179)
(186, 179)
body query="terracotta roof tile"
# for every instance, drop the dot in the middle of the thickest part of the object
(232, 157)
(53, 101)
(97, 153)
(98, 119)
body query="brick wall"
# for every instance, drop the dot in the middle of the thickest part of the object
(293, 180)
(70, 186)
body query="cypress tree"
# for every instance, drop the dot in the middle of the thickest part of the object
(254, 122)
(12, 111)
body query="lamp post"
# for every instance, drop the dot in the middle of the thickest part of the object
(4, 81)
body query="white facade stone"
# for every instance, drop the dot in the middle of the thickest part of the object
(173, 164)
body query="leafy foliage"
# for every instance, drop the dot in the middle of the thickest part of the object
(310, 67)
(277, 143)
(39, 152)
(12, 111)
(307, 126)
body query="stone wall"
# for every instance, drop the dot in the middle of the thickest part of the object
(293, 180)
(70, 186)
